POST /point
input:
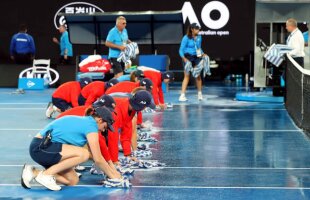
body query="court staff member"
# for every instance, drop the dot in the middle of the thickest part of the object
(66, 96)
(60, 146)
(116, 41)
(190, 51)
(296, 41)
(66, 51)
(22, 48)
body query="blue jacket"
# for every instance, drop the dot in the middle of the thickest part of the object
(22, 43)
(188, 45)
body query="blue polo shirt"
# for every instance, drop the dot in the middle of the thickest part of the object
(118, 38)
(65, 44)
(71, 130)
(188, 45)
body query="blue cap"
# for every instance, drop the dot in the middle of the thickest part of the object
(106, 115)
(139, 74)
(195, 26)
(105, 100)
(111, 83)
(141, 100)
(168, 75)
(147, 83)
(85, 81)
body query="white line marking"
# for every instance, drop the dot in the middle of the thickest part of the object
(220, 109)
(186, 187)
(247, 109)
(23, 103)
(228, 187)
(226, 130)
(22, 108)
(20, 129)
(170, 130)
(215, 168)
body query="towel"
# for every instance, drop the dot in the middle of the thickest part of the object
(130, 52)
(203, 65)
(275, 53)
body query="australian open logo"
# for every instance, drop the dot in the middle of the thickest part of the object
(214, 15)
(74, 8)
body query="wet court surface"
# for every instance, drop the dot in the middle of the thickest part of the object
(215, 149)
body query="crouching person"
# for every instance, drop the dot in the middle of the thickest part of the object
(59, 148)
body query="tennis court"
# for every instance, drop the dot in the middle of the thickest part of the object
(215, 149)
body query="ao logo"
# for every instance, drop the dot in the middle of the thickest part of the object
(189, 13)
(74, 8)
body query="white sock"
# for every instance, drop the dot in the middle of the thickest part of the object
(200, 92)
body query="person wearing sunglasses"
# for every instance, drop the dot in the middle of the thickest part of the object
(117, 40)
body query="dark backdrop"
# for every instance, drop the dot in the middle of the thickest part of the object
(39, 15)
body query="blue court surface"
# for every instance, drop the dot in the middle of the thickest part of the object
(215, 149)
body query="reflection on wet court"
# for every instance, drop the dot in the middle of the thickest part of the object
(215, 149)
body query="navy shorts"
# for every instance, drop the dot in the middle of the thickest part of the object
(81, 100)
(192, 58)
(61, 104)
(48, 156)
(117, 67)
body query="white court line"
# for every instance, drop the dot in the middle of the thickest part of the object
(247, 109)
(23, 103)
(187, 187)
(215, 168)
(22, 108)
(221, 109)
(20, 129)
(226, 130)
(173, 130)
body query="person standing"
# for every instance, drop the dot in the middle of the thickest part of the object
(22, 48)
(117, 40)
(296, 41)
(66, 51)
(190, 51)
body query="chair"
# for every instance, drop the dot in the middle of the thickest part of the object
(41, 67)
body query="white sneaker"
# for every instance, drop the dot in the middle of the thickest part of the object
(47, 181)
(182, 97)
(79, 168)
(200, 97)
(49, 110)
(27, 176)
